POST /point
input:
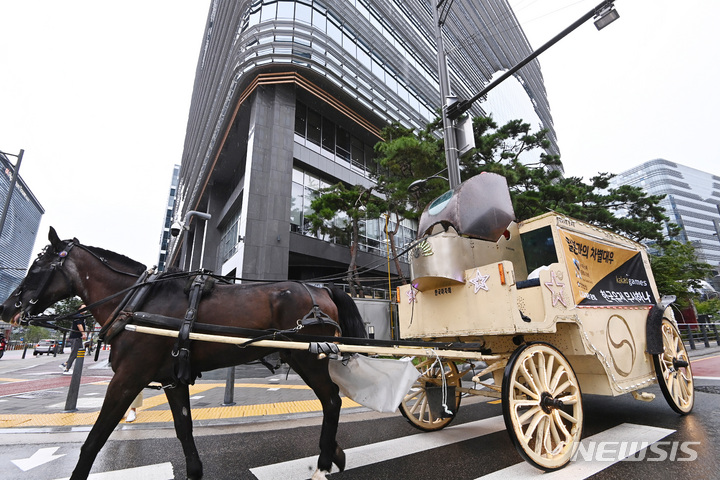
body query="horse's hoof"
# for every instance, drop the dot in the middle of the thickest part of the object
(339, 458)
(319, 475)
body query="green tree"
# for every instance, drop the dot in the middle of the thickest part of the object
(34, 333)
(403, 157)
(678, 271)
(539, 187)
(338, 212)
(711, 306)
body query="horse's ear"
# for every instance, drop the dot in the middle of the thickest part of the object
(54, 239)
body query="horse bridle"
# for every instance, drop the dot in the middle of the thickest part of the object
(54, 266)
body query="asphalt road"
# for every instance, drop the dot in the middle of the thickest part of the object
(659, 443)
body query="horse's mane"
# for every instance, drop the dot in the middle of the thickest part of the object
(116, 257)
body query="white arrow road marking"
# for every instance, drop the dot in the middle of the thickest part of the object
(160, 471)
(387, 450)
(44, 455)
(636, 437)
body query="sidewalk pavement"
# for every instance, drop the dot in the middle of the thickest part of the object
(34, 392)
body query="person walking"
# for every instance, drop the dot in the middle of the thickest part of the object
(76, 338)
(132, 412)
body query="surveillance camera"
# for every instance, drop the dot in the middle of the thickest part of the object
(175, 229)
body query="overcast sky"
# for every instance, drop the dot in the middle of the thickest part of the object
(97, 94)
(644, 87)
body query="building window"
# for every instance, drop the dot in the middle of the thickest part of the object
(314, 126)
(230, 237)
(346, 149)
(372, 231)
(308, 12)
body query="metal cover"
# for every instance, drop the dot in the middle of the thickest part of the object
(479, 208)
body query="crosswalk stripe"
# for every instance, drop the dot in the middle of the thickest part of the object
(634, 436)
(160, 471)
(382, 451)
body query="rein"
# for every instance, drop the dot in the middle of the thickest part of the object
(56, 266)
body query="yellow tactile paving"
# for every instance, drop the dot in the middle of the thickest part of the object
(147, 415)
(13, 380)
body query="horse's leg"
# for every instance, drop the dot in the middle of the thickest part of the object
(315, 373)
(120, 394)
(179, 400)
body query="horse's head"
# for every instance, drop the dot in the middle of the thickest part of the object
(44, 284)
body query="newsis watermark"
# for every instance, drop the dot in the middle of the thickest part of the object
(636, 451)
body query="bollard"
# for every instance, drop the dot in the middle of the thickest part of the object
(691, 337)
(229, 388)
(24, 350)
(71, 402)
(704, 334)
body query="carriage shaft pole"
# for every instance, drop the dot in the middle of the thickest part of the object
(292, 345)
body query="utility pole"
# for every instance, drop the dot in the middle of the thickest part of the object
(451, 150)
(13, 181)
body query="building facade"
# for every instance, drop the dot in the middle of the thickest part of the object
(692, 202)
(20, 229)
(168, 220)
(290, 96)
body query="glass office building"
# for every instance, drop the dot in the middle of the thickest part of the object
(290, 96)
(692, 201)
(19, 231)
(168, 220)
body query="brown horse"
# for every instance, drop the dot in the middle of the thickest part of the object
(66, 268)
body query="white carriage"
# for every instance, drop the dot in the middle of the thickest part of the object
(556, 307)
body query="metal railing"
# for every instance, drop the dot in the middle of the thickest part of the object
(700, 334)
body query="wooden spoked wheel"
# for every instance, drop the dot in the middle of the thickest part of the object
(673, 370)
(415, 406)
(542, 405)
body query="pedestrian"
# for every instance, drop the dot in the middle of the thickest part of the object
(76, 338)
(132, 413)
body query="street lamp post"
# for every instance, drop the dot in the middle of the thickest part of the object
(451, 150)
(13, 181)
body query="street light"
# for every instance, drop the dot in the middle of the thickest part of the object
(178, 227)
(605, 14)
(606, 17)
(15, 174)
(418, 184)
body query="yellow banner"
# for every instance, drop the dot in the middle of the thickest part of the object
(601, 274)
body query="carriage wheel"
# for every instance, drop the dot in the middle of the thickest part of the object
(542, 405)
(415, 406)
(673, 371)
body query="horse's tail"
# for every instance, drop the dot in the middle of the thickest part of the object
(349, 316)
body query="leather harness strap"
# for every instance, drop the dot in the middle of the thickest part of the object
(316, 316)
(181, 350)
(132, 301)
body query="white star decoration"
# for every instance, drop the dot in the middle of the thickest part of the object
(556, 290)
(480, 281)
(411, 295)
